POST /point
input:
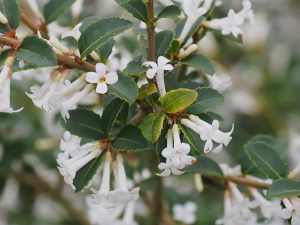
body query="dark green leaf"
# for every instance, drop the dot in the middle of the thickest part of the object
(199, 62)
(205, 166)
(130, 138)
(11, 10)
(135, 68)
(152, 125)
(146, 90)
(135, 7)
(35, 52)
(86, 173)
(192, 138)
(125, 88)
(265, 158)
(178, 100)
(284, 188)
(207, 100)
(193, 29)
(54, 8)
(84, 123)
(105, 50)
(100, 32)
(169, 12)
(163, 42)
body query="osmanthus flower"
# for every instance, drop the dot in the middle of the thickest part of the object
(120, 194)
(233, 22)
(157, 70)
(75, 32)
(101, 78)
(209, 133)
(5, 79)
(176, 154)
(185, 213)
(75, 157)
(219, 82)
(43, 97)
(293, 205)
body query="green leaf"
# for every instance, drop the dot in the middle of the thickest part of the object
(125, 88)
(169, 12)
(178, 100)
(135, 7)
(161, 143)
(199, 62)
(192, 138)
(205, 166)
(110, 115)
(36, 53)
(193, 29)
(84, 123)
(135, 68)
(100, 32)
(130, 138)
(265, 158)
(86, 173)
(284, 188)
(208, 99)
(163, 41)
(146, 90)
(11, 10)
(105, 50)
(152, 125)
(54, 8)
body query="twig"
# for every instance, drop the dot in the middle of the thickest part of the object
(248, 182)
(151, 31)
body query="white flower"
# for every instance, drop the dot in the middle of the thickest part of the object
(247, 13)
(120, 195)
(70, 144)
(75, 157)
(220, 82)
(228, 171)
(293, 205)
(101, 78)
(5, 87)
(166, 2)
(193, 11)
(157, 69)
(144, 175)
(77, 8)
(128, 218)
(185, 213)
(176, 154)
(75, 32)
(208, 133)
(44, 96)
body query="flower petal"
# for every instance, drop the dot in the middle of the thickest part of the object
(101, 88)
(168, 67)
(100, 68)
(162, 61)
(150, 63)
(92, 77)
(111, 78)
(151, 73)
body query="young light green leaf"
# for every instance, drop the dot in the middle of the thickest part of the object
(284, 188)
(11, 10)
(110, 115)
(178, 100)
(163, 41)
(36, 53)
(54, 8)
(170, 11)
(146, 90)
(207, 100)
(125, 88)
(100, 32)
(199, 62)
(192, 138)
(86, 173)
(130, 138)
(152, 125)
(205, 166)
(265, 158)
(85, 124)
(135, 7)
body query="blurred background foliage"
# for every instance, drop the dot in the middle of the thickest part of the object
(264, 99)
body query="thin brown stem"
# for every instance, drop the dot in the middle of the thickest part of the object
(151, 31)
(248, 182)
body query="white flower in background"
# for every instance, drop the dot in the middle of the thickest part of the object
(193, 12)
(43, 97)
(75, 157)
(5, 79)
(176, 154)
(233, 22)
(293, 205)
(76, 8)
(120, 195)
(143, 175)
(209, 133)
(128, 218)
(185, 213)
(101, 78)
(220, 82)
(231, 171)
(166, 2)
(157, 69)
(9, 199)
(35, 8)
(75, 32)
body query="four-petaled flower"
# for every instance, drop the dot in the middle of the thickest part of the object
(101, 78)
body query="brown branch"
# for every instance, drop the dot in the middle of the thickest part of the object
(248, 182)
(29, 23)
(151, 31)
(43, 187)
(69, 61)
(137, 117)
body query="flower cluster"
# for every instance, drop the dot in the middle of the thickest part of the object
(185, 213)
(209, 133)
(176, 154)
